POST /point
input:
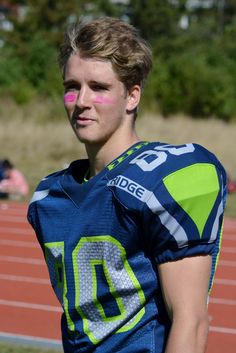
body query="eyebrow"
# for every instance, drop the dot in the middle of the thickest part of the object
(101, 83)
(93, 82)
(67, 82)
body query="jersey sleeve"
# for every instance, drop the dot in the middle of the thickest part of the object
(41, 192)
(184, 213)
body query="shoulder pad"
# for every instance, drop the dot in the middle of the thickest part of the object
(45, 185)
(157, 160)
(50, 179)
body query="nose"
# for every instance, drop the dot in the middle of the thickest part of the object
(84, 98)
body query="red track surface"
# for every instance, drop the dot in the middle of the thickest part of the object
(29, 309)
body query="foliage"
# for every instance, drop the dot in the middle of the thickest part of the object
(193, 71)
(156, 19)
(192, 82)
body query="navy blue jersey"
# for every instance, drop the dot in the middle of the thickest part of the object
(103, 240)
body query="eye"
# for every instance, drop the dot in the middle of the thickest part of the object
(71, 87)
(98, 87)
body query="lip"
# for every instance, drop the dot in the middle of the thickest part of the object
(83, 121)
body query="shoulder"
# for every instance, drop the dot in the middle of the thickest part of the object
(156, 161)
(168, 156)
(182, 171)
(50, 179)
(44, 186)
(51, 182)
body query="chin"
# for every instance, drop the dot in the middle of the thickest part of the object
(88, 140)
(92, 141)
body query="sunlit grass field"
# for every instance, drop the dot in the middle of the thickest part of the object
(37, 138)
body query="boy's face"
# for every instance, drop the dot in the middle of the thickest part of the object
(96, 101)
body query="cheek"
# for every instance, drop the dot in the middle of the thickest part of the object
(69, 98)
(103, 100)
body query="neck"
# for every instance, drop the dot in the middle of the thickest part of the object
(101, 155)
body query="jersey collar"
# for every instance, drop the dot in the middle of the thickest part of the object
(78, 191)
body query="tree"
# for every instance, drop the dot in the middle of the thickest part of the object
(33, 43)
(158, 21)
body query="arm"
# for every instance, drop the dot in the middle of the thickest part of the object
(185, 291)
(15, 183)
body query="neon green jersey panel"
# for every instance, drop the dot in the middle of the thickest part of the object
(195, 188)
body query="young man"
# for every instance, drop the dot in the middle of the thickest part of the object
(131, 235)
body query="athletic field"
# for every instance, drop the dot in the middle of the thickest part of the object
(30, 313)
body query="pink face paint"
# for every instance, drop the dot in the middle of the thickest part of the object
(102, 100)
(70, 97)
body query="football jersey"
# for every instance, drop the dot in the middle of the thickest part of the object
(103, 240)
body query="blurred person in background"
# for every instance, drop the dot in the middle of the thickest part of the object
(231, 184)
(13, 184)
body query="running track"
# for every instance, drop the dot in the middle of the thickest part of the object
(29, 311)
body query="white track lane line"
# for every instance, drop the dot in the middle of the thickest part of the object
(19, 243)
(231, 237)
(229, 228)
(6, 207)
(227, 263)
(229, 250)
(12, 230)
(49, 308)
(34, 261)
(228, 330)
(224, 281)
(25, 279)
(13, 219)
(222, 301)
(23, 260)
(13, 212)
(34, 306)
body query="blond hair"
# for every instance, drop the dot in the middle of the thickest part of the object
(110, 39)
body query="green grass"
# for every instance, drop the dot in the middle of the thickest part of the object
(14, 348)
(37, 138)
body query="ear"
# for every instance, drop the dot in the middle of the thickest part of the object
(134, 96)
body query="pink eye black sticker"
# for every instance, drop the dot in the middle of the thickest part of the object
(102, 100)
(69, 98)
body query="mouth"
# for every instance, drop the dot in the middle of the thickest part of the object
(82, 120)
